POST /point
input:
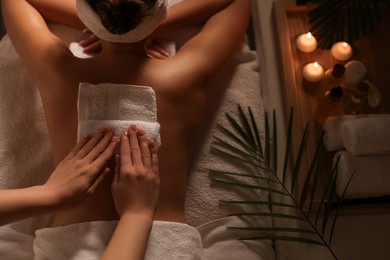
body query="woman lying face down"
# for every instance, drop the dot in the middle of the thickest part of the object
(182, 83)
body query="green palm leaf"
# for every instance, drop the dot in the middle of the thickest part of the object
(243, 143)
(287, 238)
(343, 20)
(269, 179)
(259, 202)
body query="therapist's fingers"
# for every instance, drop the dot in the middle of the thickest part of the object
(78, 147)
(125, 154)
(87, 148)
(144, 148)
(134, 146)
(117, 169)
(98, 180)
(103, 150)
(154, 157)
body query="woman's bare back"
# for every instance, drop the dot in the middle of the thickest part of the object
(179, 106)
(181, 84)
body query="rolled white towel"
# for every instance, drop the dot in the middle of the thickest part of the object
(335, 138)
(152, 130)
(369, 135)
(371, 177)
(332, 137)
(117, 106)
(332, 127)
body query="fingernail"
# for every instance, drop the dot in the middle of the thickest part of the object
(141, 132)
(125, 133)
(133, 127)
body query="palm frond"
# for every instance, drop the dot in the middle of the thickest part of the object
(267, 140)
(258, 202)
(242, 142)
(275, 142)
(275, 229)
(236, 174)
(343, 20)
(299, 158)
(288, 145)
(287, 238)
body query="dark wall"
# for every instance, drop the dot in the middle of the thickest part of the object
(2, 30)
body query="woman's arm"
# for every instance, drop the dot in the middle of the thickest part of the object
(205, 54)
(58, 11)
(39, 49)
(136, 191)
(74, 179)
(188, 13)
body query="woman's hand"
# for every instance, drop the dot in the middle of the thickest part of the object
(91, 43)
(154, 49)
(136, 182)
(80, 173)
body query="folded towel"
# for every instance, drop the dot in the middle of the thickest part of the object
(217, 238)
(332, 127)
(118, 106)
(336, 139)
(369, 135)
(371, 177)
(167, 240)
(15, 245)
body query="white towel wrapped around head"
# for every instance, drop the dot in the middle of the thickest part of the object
(117, 106)
(148, 24)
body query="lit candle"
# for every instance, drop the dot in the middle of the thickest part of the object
(306, 42)
(313, 72)
(341, 51)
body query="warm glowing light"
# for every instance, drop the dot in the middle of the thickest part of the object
(342, 51)
(306, 42)
(313, 72)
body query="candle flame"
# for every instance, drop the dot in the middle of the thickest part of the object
(315, 64)
(345, 44)
(308, 35)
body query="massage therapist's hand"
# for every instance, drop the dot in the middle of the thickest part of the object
(155, 50)
(80, 173)
(136, 182)
(135, 189)
(91, 43)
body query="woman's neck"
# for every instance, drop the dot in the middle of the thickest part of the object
(122, 48)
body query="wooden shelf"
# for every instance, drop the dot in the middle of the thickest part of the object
(373, 51)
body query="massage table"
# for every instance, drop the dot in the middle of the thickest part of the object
(25, 153)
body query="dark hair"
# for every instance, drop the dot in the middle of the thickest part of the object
(121, 16)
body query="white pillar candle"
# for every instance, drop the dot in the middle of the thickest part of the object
(313, 72)
(341, 51)
(306, 42)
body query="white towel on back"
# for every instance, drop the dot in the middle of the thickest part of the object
(117, 106)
